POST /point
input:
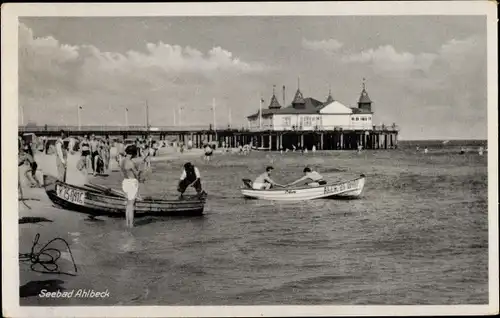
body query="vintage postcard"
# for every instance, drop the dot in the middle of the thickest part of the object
(250, 159)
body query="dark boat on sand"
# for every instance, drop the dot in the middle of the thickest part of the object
(98, 200)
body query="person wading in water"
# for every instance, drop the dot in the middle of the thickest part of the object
(208, 152)
(190, 177)
(61, 157)
(130, 184)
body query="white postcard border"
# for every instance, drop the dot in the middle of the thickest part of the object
(10, 273)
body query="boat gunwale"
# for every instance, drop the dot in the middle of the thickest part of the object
(304, 187)
(120, 211)
(101, 197)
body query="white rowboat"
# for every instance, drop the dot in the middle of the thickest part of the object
(344, 189)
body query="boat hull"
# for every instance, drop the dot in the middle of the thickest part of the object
(346, 189)
(97, 203)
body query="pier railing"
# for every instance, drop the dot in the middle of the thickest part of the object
(105, 128)
(198, 128)
(391, 128)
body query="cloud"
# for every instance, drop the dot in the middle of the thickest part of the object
(454, 55)
(60, 76)
(446, 89)
(387, 59)
(330, 45)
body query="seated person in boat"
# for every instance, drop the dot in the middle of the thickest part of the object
(264, 181)
(190, 177)
(310, 178)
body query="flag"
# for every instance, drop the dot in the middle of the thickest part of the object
(80, 107)
(262, 100)
(126, 109)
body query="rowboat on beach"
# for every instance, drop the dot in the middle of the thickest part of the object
(98, 200)
(341, 190)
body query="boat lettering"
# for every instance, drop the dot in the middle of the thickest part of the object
(70, 195)
(290, 191)
(341, 187)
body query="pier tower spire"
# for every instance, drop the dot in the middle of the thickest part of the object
(274, 104)
(329, 99)
(364, 100)
(298, 100)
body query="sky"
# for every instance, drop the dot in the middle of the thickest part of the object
(427, 74)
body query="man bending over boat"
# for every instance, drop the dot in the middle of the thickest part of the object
(310, 178)
(130, 184)
(190, 177)
(264, 181)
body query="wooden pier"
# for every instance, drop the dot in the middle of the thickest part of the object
(380, 137)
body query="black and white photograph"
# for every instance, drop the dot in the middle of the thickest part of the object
(250, 159)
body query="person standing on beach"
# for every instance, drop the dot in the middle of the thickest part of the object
(61, 157)
(120, 151)
(107, 152)
(148, 152)
(26, 157)
(94, 152)
(85, 153)
(130, 183)
(99, 158)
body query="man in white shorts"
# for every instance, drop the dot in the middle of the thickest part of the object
(130, 184)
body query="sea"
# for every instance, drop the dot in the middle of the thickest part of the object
(418, 235)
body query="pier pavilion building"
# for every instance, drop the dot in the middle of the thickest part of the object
(308, 122)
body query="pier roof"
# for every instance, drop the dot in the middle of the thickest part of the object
(364, 98)
(274, 104)
(329, 99)
(311, 106)
(274, 101)
(298, 99)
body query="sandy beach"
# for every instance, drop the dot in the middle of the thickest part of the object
(37, 215)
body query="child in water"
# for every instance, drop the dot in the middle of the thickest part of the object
(208, 152)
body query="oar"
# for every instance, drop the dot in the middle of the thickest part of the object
(106, 189)
(118, 193)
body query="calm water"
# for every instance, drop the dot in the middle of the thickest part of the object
(418, 235)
